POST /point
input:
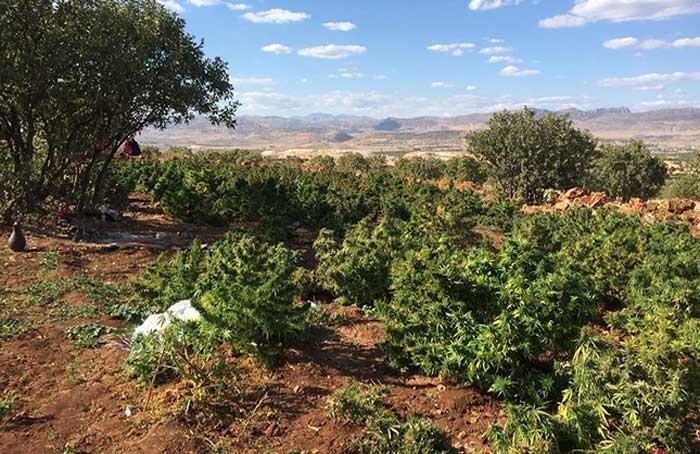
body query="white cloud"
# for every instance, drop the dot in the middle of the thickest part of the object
(562, 21)
(348, 75)
(687, 42)
(172, 5)
(620, 43)
(471, 87)
(275, 16)
(441, 85)
(504, 59)
(658, 102)
(455, 49)
(277, 49)
(495, 50)
(648, 80)
(650, 44)
(380, 77)
(514, 71)
(258, 81)
(382, 105)
(494, 40)
(238, 6)
(340, 26)
(587, 11)
(332, 51)
(204, 2)
(482, 5)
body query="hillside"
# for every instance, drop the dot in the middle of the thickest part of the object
(667, 130)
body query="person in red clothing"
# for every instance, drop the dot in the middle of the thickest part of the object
(128, 148)
(131, 147)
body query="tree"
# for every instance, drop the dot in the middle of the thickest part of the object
(687, 184)
(526, 154)
(626, 171)
(78, 73)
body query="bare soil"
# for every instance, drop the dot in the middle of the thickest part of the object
(75, 400)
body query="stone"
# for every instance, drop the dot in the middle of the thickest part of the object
(575, 193)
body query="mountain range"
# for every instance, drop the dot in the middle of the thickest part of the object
(668, 130)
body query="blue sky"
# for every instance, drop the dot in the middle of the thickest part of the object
(448, 57)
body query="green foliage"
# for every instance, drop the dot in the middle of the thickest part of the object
(49, 260)
(357, 271)
(163, 283)
(249, 292)
(88, 335)
(387, 434)
(10, 327)
(686, 185)
(626, 171)
(529, 430)
(484, 317)
(527, 155)
(62, 76)
(194, 354)
(8, 404)
(356, 403)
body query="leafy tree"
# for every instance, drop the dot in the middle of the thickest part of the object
(687, 185)
(626, 171)
(526, 154)
(75, 73)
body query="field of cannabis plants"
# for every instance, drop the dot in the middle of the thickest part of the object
(585, 324)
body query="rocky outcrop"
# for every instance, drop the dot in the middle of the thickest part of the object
(650, 211)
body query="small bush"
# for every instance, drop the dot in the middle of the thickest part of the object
(357, 270)
(356, 403)
(88, 335)
(387, 434)
(165, 282)
(8, 404)
(248, 290)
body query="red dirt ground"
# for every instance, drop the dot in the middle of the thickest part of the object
(73, 400)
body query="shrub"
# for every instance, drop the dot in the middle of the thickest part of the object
(87, 335)
(387, 434)
(358, 269)
(248, 291)
(356, 403)
(686, 185)
(164, 282)
(486, 318)
(626, 171)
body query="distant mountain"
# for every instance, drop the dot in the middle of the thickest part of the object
(388, 125)
(342, 137)
(669, 129)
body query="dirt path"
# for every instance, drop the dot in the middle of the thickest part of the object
(74, 400)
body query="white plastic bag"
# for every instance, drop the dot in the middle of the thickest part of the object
(183, 311)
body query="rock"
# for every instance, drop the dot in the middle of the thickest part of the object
(653, 205)
(636, 204)
(575, 193)
(595, 200)
(17, 241)
(188, 228)
(563, 205)
(678, 206)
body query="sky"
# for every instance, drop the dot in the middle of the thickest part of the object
(409, 58)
